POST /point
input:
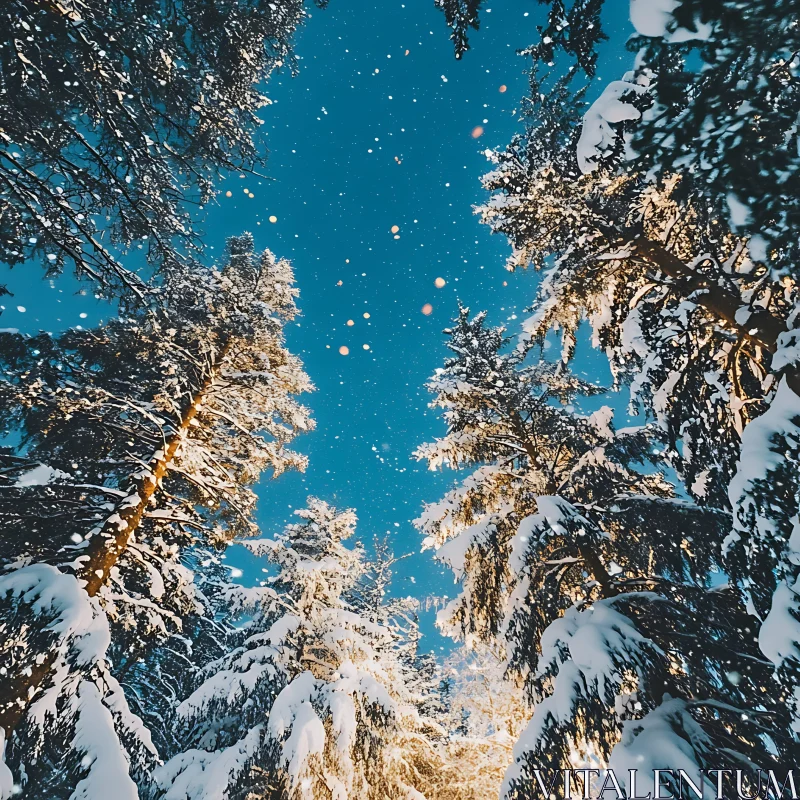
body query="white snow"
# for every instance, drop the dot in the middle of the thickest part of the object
(762, 451)
(584, 648)
(343, 720)
(307, 739)
(654, 743)
(40, 475)
(7, 786)
(758, 457)
(99, 710)
(757, 247)
(601, 421)
(230, 685)
(234, 677)
(739, 211)
(75, 617)
(282, 713)
(554, 512)
(595, 638)
(788, 351)
(779, 636)
(105, 756)
(655, 17)
(200, 775)
(652, 17)
(632, 337)
(700, 483)
(598, 136)
(454, 552)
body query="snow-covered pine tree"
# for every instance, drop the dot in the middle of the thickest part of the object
(683, 312)
(596, 578)
(763, 549)
(312, 699)
(483, 718)
(576, 30)
(702, 330)
(118, 116)
(720, 105)
(139, 442)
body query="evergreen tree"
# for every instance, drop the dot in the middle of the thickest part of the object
(678, 304)
(139, 442)
(713, 98)
(460, 15)
(119, 116)
(596, 578)
(576, 30)
(691, 315)
(763, 548)
(312, 700)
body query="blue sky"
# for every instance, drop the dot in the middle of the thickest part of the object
(336, 133)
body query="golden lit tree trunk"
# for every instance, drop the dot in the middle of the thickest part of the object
(107, 544)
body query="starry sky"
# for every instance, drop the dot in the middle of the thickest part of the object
(376, 148)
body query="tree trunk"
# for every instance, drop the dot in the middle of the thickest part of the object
(107, 544)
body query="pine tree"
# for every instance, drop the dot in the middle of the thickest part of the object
(484, 718)
(714, 100)
(595, 577)
(701, 329)
(763, 548)
(119, 116)
(139, 443)
(460, 15)
(576, 30)
(681, 309)
(312, 698)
